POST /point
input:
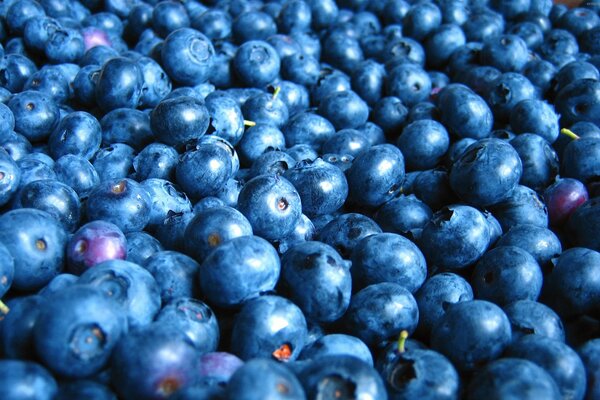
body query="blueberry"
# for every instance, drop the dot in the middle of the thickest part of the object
(187, 56)
(84, 388)
(204, 170)
(523, 206)
(277, 382)
(464, 113)
(79, 133)
(538, 241)
(26, 380)
(256, 63)
(337, 344)
(140, 246)
(529, 317)
(406, 215)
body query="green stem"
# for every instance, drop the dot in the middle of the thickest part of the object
(4, 308)
(276, 92)
(402, 341)
(569, 133)
(249, 123)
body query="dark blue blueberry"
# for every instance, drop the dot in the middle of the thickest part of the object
(529, 317)
(570, 289)
(341, 376)
(269, 327)
(307, 128)
(211, 227)
(505, 52)
(436, 295)
(266, 108)
(388, 257)
(179, 120)
(423, 143)
(253, 25)
(156, 160)
(300, 68)
(486, 172)
(26, 380)
(226, 118)
(58, 283)
(84, 84)
(302, 152)
(15, 70)
(277, 382)
(18, 12)
(131, 286)
(16, 327)
(590, 354)
(540, 162)
(204, 170)
(482, 25)
(368, 81)
(522, 206)
(559, 47)
(344, 109)
(303, 232)
(35, 113)
(271, 162)
(213, 23)
(573, 71)
(538, 241)
(315, 277)
(166, 198)
(535, 116)
(123, 202)
(420, 373)
(168, 16)
(464, 113)
(128, 126)
(187, 56)
(119, 84)
(140, 246)
(559, 360)
(441, 43)
(156, 82)
(295, 97)
(153, 362)
(381, 311)
(390, 114)
(507, 91)
(322, 187)
(76, 172)
(77, 329)
(330, 81)
(256, 63)
(337, 344)
(513, 378)
(342, 51)
(540, 73)
(84, 388)
(36, 241)
(471, 333)
(10, 177)
(114, 161)
(239, 269)
(295, 16)
(51, 81)
(456, 237)
(421, 20)
(406, 215)
(409, 82)
(33, 169)
(529, 31)
(285, 45)
(578, 20)
(507, 274)
(579, 101)
(79, 133)
(54, 197)
(195, 319)
(346, 230)
(271, 204)
(376, 175)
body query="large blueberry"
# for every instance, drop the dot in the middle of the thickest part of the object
(464, 113)
(26, 380)
(187, 56)
(175, 273)
(204, 170)
(179, 120)
(256, 63)
(119, 84)
(79, 133)
(277, 382)
(529, 317)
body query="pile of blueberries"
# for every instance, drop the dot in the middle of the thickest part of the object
(299, 199)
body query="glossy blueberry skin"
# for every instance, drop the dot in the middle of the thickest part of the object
(314, 276)
(166, 197)
(579, 159)
(77, 329)
(123, 202)
(78, 133)
(507, 274)
(257, 140)
(179, 120)
(578, 101)
(423, 143)
(204, 170)
(342, 51)
(375, 175)
(227, 120)
(346, 230)
(523, 206)
(436, 295)
(210, 228)
(187, 56)
(193, 318)
(10, 177)
(368, 81)
(93, 243)
(229, 276)
(540, 73)
(119, 84)
(513, 378)
(344, 109)
(266, 108)
(33, 169)
(271, 204)
(560, 361)
(381, 311)
(464, 113)
(168, 16)
(36, 114)
(140, 246)
(300, 68)
(507, 91)
(486, 172)
(271, 162)
(308, 128)
(256, 63)
(337, 344)
(322, 187)
(388, 257)
(253, 25)
(36, 241)
(26, 380)
(529, 317)
(535, 116)
(346, 375)
(482, 25)
(153, 363)
(16, 69)
(330, 81)
(54, 197)
(506, 52)
(175, 273)
(131, 286)
(64, 45)
(406, 215)
(570, 289)
(540, 161)
(559, 47)
(295, 97)
(456, 237)
(53, 82)
(269, 327)
(471, 333)
(128, 126)
(277, 382)
(156, 160)
(410, 83)
(540, 242)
